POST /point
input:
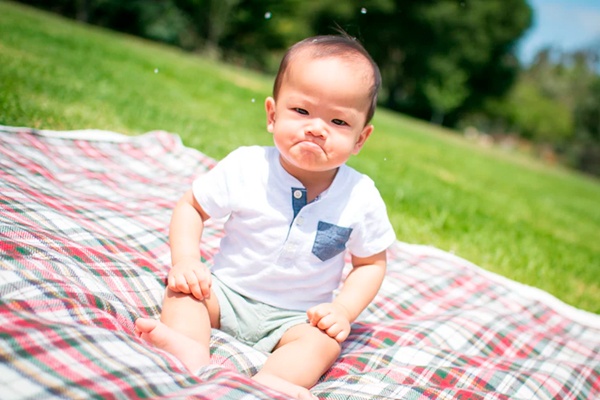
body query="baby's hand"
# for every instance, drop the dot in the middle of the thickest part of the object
(190, 276)
(332, 319)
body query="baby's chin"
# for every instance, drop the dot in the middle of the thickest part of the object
(306, 163)
(310, 159)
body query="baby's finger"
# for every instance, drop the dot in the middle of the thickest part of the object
(178, 284)
(333, 330)
(310, 313)
(204, 283)
(195, 290)
(314, 315)
(191, 281)
(323, 311)
(171, 282)
(340, 337)
(326, 322)
(205, 287)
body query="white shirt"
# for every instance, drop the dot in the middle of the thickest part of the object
(286, 258)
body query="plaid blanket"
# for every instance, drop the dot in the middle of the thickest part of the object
(83, 252)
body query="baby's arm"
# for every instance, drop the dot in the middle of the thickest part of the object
(188, 274)
(359, 289)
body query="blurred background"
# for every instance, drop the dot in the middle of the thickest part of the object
(520, 74)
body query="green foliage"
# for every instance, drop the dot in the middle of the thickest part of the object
(507, 213)
(446, 89)
(164, 22)
(585, 151)
(538, 116)
(554, 102)
(260, 30)
(437, 57)
(587, 110)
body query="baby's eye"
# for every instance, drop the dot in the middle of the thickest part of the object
(339, 122)
(301, 111)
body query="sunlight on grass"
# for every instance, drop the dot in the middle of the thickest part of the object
(503, 211)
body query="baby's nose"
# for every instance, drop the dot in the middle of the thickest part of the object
(316, 128)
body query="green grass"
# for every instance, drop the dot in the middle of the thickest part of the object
(512, 215)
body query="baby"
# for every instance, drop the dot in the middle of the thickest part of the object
(292, 212)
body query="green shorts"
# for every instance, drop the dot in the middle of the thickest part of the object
(256, 324)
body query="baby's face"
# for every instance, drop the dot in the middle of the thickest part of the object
(318, 120)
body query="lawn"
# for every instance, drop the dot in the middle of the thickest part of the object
(513, 215)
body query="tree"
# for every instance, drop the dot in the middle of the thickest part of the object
(555, 103)
(259, 30)
(537, 116)
(211, 20)
(157, 19)
(439, 59)
(445, 89)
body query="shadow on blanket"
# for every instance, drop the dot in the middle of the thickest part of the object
(83, 252)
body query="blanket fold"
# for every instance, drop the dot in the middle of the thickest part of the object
(84, 251)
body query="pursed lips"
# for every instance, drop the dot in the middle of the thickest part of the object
(310, 144)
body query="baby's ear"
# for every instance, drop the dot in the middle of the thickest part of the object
(270, 110)
(362, 138)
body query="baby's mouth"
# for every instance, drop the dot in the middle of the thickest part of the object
(310, 144)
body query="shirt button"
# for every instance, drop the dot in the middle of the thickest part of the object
(299, 221)
(297, 194)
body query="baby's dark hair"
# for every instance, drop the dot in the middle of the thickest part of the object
(341, 45)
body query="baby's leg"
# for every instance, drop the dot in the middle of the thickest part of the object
(184, 328)
(301, 357)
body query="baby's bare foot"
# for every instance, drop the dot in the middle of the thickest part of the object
(283, 386)
(191, 353)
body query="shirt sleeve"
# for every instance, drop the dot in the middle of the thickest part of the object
(374, 232)
(215, 190)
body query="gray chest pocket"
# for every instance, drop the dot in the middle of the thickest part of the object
(330, 240)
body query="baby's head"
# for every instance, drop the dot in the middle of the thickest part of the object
(342, 47)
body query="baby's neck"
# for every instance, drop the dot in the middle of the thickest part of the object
(316, 182)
